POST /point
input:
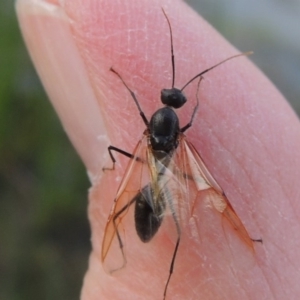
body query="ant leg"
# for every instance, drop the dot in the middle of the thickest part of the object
(257, 240)
(178, 229)
(171, 266)
(112, 148)
(116, 222)
(188, 125)
(134, 98)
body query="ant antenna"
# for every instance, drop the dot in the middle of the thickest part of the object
(189, 124)
(205, 71)
(172, 50)
(133, 96)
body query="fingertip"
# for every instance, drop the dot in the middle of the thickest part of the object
(52, 46)
(74, 47)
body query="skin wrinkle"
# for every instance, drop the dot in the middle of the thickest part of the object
(237, 190)
(271, 289)
(246, 171)
(233, 158)
(233, 275)
(277, 171)
(270, 267)
(284, 189)
(220, 289)
(250, 129)
(239, 277)
(285, 256)
(245, 296)
(216, 158)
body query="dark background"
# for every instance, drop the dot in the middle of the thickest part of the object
(44, 232)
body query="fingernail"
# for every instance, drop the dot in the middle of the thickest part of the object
(47, 33)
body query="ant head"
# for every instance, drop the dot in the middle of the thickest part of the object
(172, 97)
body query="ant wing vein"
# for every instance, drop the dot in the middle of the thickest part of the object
(204, 181)
(144, 197)
(155, 188)
(160, 187)
(113, 245)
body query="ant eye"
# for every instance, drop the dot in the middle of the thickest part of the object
(172, 97)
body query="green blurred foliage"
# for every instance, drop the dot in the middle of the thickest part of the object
(270, 28)
(44, 232)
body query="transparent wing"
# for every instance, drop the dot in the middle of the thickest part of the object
(135, 178)
(198, 178)
(159, 188)
(152, 189)
(170, 193)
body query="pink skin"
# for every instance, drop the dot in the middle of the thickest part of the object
(245, 131)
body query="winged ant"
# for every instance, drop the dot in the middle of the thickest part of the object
(164, 170)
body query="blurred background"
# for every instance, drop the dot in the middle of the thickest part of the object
(44, 232)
